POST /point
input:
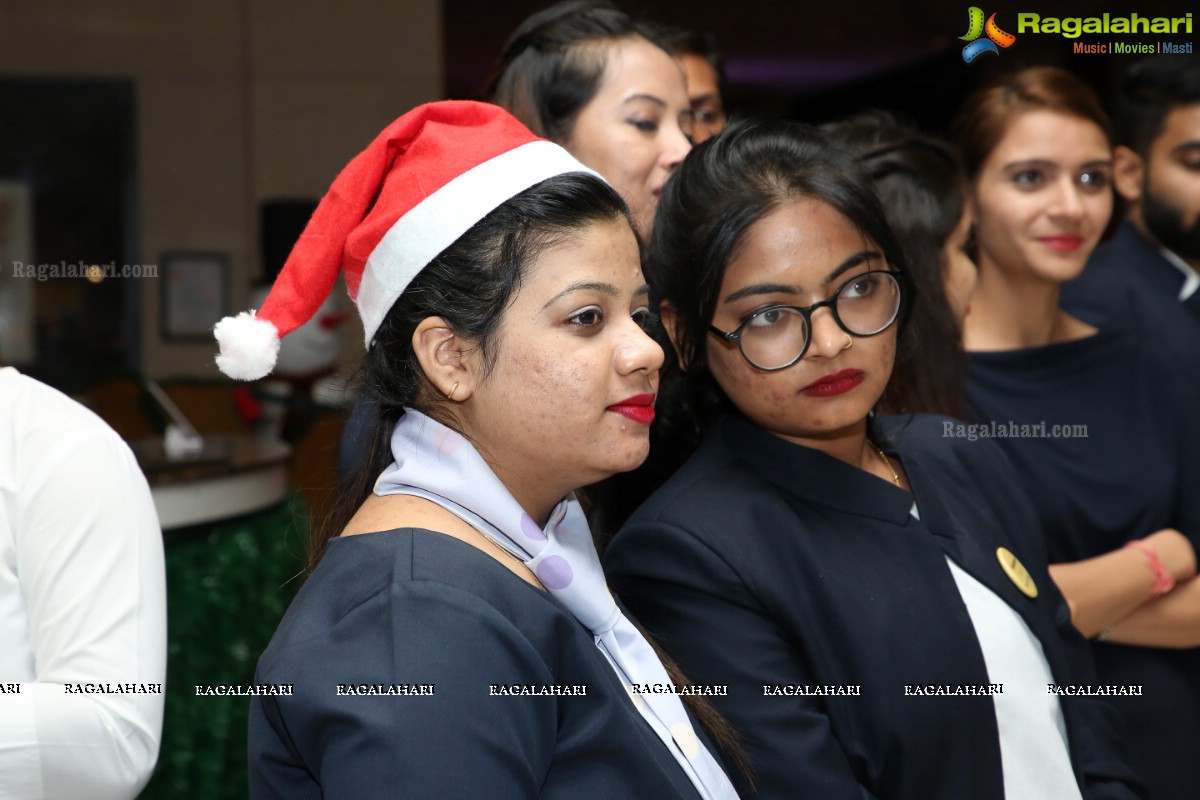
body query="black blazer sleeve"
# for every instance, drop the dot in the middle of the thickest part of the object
(1098, 733)
(1187, 491)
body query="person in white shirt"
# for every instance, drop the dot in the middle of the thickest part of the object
(82, 603)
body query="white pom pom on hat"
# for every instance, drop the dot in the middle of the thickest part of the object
(249, 346)
(419, 186)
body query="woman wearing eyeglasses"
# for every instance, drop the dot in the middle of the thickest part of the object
(870, 592)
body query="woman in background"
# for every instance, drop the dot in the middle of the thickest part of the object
(1110, 415)
(591, 78)
(697, 53)
(861, 583)
(501, 292)
(923, 191)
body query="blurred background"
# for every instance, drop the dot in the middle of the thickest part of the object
(184, 142)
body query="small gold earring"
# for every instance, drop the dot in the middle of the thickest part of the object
(453, 389)
(849, 342)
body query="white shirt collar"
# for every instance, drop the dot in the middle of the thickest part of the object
(1191, 278)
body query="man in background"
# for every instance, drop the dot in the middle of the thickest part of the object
(697, 53)
(1152, 265)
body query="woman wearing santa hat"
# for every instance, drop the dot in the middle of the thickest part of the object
(591, 78)
(456, 637)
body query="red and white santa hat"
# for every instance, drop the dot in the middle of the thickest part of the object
(424, 181)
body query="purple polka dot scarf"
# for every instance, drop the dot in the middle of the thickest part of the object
(437, 463)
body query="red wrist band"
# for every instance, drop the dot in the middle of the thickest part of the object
(1163, 580)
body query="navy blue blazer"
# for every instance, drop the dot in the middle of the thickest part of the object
(1128, 275)
(412, 608)
(763, 563)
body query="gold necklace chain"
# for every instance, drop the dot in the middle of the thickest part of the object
(886, 462)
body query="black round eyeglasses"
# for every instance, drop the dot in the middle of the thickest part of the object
(776, 337)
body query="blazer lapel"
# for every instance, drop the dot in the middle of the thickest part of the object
(976, 553)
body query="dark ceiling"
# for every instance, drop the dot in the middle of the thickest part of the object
(817, 60)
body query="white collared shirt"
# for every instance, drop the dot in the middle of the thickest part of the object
(1034, 757)
(1191, 278)
(82, 603)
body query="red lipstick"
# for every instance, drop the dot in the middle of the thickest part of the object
(639, 408)
(1064, 244)
(835, 384)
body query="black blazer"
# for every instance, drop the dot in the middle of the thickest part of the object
(763, 563)
(420, 609)
(1128, 275)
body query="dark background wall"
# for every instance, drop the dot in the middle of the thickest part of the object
(217, 106)
(819, 60)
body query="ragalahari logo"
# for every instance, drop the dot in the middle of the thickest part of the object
(996, 38)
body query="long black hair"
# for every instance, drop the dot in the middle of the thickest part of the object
(469, 284)
(924, 192)
(553, 64)
(723, 187)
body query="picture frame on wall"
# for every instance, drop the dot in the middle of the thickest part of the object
(196, 288)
